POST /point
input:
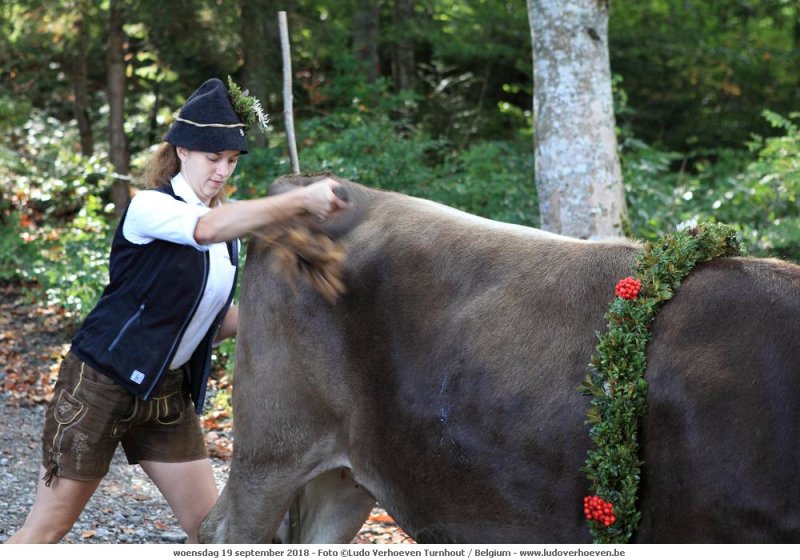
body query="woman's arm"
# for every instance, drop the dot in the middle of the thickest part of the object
(229, 324)
(230, 221)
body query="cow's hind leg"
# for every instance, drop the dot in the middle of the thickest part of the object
(329, 509)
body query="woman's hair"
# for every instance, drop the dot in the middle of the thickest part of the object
(163, 165)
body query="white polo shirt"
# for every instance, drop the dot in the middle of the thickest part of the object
(155, 215)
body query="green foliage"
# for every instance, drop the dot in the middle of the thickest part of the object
(700, 73)
(71, 270)
(471, 56)
(368, 150)
(480, 59)
(225, 356)
(492, 179)
(196, 39)
(766, 202)
(16, 252)
(54, 219)
(14, 111)
(257, 169)
(348, 91)
(28, 31)
(617, 385)
(756, 191)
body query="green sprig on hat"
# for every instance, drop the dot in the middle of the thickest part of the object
(247, 106)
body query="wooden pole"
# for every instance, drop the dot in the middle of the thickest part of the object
(287, 92)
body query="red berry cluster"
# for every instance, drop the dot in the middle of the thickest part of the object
(628, 288)
(597, 508)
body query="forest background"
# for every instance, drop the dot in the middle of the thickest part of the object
(428, 97)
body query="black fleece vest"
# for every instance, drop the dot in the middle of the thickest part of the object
(154, 289)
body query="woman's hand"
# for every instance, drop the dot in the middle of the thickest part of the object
(321, 200)
(230, 221)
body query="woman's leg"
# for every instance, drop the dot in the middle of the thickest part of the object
(189, 488)
(55, 509)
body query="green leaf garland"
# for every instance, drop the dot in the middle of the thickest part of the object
(617, 385)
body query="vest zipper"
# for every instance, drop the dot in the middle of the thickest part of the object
(189, 317)
(125, 327)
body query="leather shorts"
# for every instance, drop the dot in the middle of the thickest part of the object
(90, 415)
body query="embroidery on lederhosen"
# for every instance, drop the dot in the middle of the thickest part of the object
(67, 409)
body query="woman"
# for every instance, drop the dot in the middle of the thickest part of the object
(137, 370)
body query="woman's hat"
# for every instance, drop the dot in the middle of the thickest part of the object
(208, 122)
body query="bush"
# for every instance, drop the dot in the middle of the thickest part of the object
(371, 150)
(764, 197)
(54, 220)
(16, 254)
(490, 179)
(493, 179)
(756, 191)
(71, 268)
(256, 171)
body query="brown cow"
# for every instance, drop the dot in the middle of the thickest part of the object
(445, 383)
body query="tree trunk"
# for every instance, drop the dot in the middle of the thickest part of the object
(578, 173)
(366, 30)
(261, 48)
(403, 46)
(80, 81)
(152, 119)
(118, 145)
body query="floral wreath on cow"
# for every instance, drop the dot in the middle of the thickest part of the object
(616, 383)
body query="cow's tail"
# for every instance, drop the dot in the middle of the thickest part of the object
(299, 253)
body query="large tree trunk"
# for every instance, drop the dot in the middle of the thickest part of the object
(366, 30)
(578, 174)
(80, 82)
(261, 48)
(118, 145)
(403, 46)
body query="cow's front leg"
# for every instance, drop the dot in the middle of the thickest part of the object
(251, 506)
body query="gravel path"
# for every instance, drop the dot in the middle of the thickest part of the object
(126, 508)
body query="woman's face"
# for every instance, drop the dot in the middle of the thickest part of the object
(207, 172)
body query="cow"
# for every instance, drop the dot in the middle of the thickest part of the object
(444, 383)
